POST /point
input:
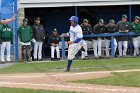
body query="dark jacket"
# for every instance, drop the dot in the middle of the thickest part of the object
(54, 39)
(110, 29)
(87, 30)
(123, 26)
(6, 33)
(99, 29)
(135, 28)
(38, 32)
(25, 33)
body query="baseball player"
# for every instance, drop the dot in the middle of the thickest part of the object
(97, 42)
(6, 38)
(135, 27)
(76, 35)
(123, 27)
(54, 41)
(39, 36)
(87, 29)
(111, 28)
(25, 35)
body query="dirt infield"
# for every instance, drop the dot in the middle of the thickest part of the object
(58, 81)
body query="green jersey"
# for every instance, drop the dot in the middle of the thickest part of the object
(25, 33)
(135, 27)
(6, 33)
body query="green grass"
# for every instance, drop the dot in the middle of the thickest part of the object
(131, 79)
(77, 66)
(19, 90)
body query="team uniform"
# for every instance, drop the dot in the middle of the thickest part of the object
(86, 31)
(97, 42)
(39, 36)
(6, 38)
(110, 29)
(135, 27)
(76, 35)
(54, 41)
(25, 35)
(123, 40)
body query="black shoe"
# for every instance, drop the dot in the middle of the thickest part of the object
(137, 55)
(58, 59)
(96, 58)
(84, 59)
(52, 59)
(24, 60)
(35, 59)
(40, 60)
(87, 57)
(120, 56)
(100, 57)
(67, 70)
(29, 60)
(2, 62)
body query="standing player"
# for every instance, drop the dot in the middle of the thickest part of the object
(87, 30)
(97, 42)
(6, 38)
(25, 35)
(123, 27)
(76, 35)
(135, 27)
(39, 36)
(111, 28)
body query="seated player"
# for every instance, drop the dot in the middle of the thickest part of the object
(54, 41)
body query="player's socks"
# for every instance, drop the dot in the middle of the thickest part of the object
(69, 64)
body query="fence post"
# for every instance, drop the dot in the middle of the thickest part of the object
(112, 47)
(131, 45)
(16, 33)
(63, 49)
(130, 13)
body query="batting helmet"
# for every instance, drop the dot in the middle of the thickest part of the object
(74, 19)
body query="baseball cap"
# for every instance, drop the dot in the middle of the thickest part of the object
(85, 20)
(25, 19)
(136, 17)
(124, 16)
(54, 30)
(110, 21)
(37, 18)
(101, 21)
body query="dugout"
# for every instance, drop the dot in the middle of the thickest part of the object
(57, 17)
(55, 14)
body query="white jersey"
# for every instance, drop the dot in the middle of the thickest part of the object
(75, 32)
